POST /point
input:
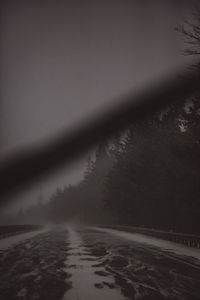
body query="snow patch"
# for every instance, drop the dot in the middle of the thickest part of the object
(163, 244)
(11, 240)
(85, 283)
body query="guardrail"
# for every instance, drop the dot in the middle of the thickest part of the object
(10, 230)
(189, 240)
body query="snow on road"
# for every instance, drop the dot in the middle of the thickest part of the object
(80, 263)
(163, 244)
(33, 268)
(143, 270)
(7, 242)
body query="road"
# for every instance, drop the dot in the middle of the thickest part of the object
(90, 263)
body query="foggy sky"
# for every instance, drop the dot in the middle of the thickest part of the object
(62, 60)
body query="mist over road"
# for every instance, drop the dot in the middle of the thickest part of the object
(78, 263)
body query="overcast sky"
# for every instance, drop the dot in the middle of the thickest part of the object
(62, 60)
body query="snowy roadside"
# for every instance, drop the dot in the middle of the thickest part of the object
(12, 240)
(167, 246)
(141, 270)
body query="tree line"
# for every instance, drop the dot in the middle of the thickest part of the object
(146, 176)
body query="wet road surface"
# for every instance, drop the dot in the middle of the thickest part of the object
(84, 263)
